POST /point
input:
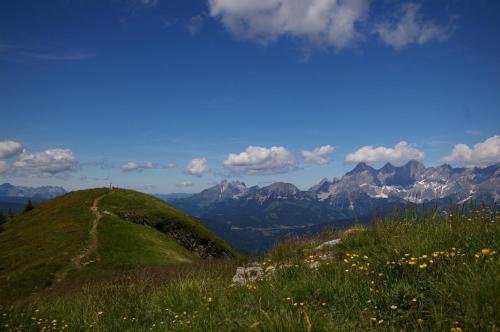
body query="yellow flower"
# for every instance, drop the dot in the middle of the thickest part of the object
(373, 319)
(486, 251)
(394, 307)
(99, 313)
(423, 266)
(420, 321)
(455, 329)
(381, 321)
(412, 262)
(209, 300)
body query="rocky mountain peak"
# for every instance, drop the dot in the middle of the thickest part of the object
(361, 167)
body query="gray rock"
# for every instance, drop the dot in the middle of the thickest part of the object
(328, 244)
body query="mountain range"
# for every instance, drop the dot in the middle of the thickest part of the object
(15, 197)
(253, 218)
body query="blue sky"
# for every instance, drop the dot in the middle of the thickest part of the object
(109, 90)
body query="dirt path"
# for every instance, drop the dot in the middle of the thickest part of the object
(86, 253)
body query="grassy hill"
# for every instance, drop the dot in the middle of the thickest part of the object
(56, 244)
(425, 272)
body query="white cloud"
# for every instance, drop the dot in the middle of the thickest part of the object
(197, 167)
(484, 153)
(318, 155)
(184, 184)
(139, 167)
(412, 29)
(9, 149)
(260, 160)
(318, 22)
(398, 154)
(45, 163)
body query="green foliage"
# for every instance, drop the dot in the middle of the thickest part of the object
(29, 206)
(369, 282)
(10, 213)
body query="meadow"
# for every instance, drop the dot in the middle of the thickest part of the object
(430, 271)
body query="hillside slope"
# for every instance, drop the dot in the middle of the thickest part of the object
(93, 232)
(418, 272)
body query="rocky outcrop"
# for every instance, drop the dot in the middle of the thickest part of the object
(257, 271)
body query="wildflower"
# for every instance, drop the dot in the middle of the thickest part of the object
(394, 307)
(323, 304)
(99, 313)
(381, 321)
(423, 266)
(485, 251)
(424, 256)
(209, 300)
(414, 299)
(456, 329)
(301, 304)
(420, 321)
(373, 319)
(412, 262)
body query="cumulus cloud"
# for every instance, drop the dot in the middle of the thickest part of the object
(139, 167)
(318, 155)
(46, 163)
(184, 184)
(319, 22)
(197, 167)
(260, 160)
(401, 152)
(481, 154)
(412, 28)
(9, 149)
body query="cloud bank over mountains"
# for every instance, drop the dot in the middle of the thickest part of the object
(400, 153)
(481, 154)
(15, 161)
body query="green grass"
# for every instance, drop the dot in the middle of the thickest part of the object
(124, 245)
(453, 286)
(40, 242)
(38, 246)
(157, 211)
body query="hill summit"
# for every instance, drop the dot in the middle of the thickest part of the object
(98, 231)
